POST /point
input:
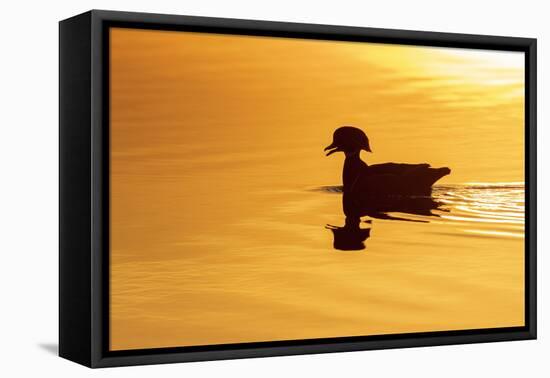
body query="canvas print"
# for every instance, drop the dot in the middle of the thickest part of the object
(270, 189)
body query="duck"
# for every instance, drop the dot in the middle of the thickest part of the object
(379, 180)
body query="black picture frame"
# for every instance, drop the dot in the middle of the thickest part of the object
(84, 187)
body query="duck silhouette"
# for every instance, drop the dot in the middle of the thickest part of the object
(379, 180)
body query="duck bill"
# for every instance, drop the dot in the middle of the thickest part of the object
(366, 147)
(331, 149)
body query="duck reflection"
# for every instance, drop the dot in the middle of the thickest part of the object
(351, 237)
(380, 207)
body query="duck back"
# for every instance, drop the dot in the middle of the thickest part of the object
(397, 179)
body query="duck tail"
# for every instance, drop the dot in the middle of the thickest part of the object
(436, 174)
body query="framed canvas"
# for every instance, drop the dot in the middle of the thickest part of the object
(236, 188)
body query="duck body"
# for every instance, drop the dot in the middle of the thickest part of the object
(389, 179)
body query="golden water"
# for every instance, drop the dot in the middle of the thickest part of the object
(260, 266)
(221, 194)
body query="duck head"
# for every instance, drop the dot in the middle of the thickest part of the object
(349, 140)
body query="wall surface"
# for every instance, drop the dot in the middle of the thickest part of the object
(29, 155)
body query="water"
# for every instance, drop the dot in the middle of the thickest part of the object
(485, 209)
(220, 233)
(277, 275)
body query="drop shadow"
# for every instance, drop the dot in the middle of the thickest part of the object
(51, 348)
